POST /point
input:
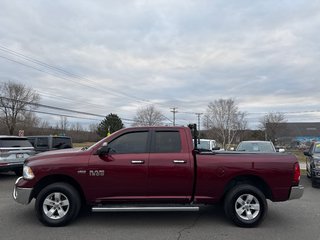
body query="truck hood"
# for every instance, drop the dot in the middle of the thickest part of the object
(55, 154)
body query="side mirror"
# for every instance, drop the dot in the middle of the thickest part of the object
(281, 150)
(232, 149)
(215, 148)
(103, 150)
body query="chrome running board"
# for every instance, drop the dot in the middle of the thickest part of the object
(145, 209)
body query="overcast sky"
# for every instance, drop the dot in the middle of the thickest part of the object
(117, 56)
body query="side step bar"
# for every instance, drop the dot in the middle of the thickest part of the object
(145, 209)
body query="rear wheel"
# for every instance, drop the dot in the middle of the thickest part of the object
(245, 205)
(57, 204)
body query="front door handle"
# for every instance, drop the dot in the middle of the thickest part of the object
(179, 161)
(137, 162)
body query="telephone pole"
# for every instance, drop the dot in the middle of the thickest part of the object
(198, 114)
(174, 111)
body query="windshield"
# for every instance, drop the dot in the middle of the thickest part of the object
(255, 147)
(317, 148)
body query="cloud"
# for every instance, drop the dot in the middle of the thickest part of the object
(184, 54)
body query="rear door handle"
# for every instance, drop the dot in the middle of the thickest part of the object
(179, 161)
(137, 162)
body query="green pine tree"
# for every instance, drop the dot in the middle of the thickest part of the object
(110, 124)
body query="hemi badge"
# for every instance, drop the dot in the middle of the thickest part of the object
(81, 171)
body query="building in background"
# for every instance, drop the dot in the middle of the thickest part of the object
(296, 135)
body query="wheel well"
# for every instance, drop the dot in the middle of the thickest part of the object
(252, 180)
(54, 179)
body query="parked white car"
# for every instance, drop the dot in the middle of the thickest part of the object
(207, 144)
(13, 152)
(257, 146)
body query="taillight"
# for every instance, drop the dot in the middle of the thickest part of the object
(296, 174)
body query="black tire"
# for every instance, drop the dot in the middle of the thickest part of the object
(57, 204)
(314, 183)
(245, 205)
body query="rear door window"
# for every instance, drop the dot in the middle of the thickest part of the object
(43, 142)
(167, 142)
(32, 141)
(60, 142)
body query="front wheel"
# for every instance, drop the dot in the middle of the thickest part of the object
(245, 205)
(314, 182)
(57, 204)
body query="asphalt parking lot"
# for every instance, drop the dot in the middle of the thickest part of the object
(297, 219)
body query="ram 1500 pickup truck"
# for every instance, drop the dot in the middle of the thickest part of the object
(155, 169)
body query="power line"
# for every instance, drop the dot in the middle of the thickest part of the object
(61, 109)
(62, 71)
(61, 115)
(52, 107)
(69, 74)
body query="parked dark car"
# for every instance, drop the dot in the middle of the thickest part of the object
(13, 151)
(49, 143)
(313, 163)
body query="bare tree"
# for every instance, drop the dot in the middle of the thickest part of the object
(93, 127)
(271, 123)
(15, 101)
(225, 119)
(44, 124)
(63, 123)
(148, 116)
(28, 121)
(76, 127)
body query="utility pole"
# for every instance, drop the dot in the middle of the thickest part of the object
(199, 114)
(174, 111)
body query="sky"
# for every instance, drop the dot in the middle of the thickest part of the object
(107, 56)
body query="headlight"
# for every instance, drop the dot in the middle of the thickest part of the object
(27, 173)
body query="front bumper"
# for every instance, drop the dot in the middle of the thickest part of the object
(21, 195)
(316, 173)
(296, 192)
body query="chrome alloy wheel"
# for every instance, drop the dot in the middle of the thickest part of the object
(247, 207)
(56, 205)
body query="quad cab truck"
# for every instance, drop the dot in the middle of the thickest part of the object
(155, 169)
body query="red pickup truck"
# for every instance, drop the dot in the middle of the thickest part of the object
(155, 169)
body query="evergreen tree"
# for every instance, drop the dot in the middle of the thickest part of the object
(110, 124)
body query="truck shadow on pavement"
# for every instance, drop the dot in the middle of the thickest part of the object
(213, 214)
